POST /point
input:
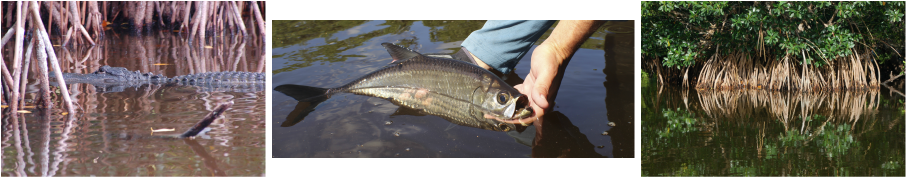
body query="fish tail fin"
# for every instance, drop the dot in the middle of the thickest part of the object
(302, 92)
(308, 97)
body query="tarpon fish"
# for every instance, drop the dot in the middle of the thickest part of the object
(460, 92)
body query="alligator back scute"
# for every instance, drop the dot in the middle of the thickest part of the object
(123, 74)
(223, 81)
(220, 78)
(116, 79)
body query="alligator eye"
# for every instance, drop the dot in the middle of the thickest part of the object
(503, 97)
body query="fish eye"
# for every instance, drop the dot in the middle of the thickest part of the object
(503, 97)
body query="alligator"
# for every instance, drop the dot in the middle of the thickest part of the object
(115, 79)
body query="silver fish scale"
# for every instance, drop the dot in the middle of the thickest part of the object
(445, 106)
(438, 75)
(447, 88)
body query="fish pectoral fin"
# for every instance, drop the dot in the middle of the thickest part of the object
(408, 111)
(463, 55)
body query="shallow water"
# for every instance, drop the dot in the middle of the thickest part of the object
(332, 53)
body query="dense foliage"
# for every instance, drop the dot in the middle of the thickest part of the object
(682, 33)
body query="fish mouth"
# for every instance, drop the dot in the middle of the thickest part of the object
(525, 109)
(519, 112)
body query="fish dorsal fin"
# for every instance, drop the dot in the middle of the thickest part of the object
(399, 53)
(463, 55)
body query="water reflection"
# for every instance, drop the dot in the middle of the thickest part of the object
(765, 133)
(110, 134)
(785, 107)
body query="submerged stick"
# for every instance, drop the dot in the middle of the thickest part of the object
(43, 38)
(201, 125)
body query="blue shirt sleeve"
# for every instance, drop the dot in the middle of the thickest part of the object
(502, 43)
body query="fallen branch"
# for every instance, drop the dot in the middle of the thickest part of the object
(201, 125)
(892, 89)
(892, 78)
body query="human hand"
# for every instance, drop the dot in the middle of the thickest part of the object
(543, 81)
